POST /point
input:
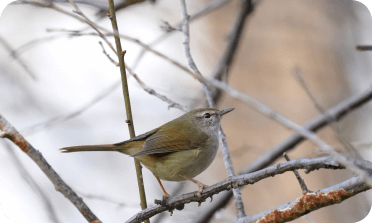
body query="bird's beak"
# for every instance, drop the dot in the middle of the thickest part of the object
(225, 111)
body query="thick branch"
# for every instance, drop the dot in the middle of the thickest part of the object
(310, 202)
(235, 182)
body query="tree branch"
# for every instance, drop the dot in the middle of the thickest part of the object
(234, 37)
(310, 202)
(225, 151)
(177, 202)
(13, 135)
(128, 109)
(26, 176)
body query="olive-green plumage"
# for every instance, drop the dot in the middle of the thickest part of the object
(178, 150)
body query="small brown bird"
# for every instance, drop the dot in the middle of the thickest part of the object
(176, 151)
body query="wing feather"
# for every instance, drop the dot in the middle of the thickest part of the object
(167, 140)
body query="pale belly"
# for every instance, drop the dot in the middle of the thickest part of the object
(171, 166)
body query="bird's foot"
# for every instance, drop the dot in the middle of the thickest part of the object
(201, 188)
(166, 196)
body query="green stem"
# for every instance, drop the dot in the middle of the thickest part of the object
(121, 54)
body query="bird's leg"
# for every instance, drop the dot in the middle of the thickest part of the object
(166, 195)
(200, 184)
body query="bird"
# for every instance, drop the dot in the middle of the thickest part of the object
(176, 151)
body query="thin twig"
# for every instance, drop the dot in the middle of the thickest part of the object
(238, 181)
(149, 90)
(8, 131)
(128, 109)
(300, 180)
(91, 24)
(334, 114)
(172, 104)
(225, 151)
(107, 55)
(212, 5)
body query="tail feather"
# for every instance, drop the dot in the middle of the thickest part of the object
(107, 147)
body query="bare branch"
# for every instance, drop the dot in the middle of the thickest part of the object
(212, 5)
(235, 182)
(26, 176)
(102, 6)
(172, 104)
(225, 151)
(107, 55)
(310, 202)
(299, 178)
(120, 53)
(334, 114)
(12, 134)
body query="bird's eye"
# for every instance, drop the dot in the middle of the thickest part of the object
(207, 115)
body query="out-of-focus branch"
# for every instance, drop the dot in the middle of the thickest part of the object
(12, 134)
(128, 108)
(235, 182)
(103, 8)
(63, 118)
(364, 47)
(97, 28)
(9, 48)
(225, 151)
(26, 176)
(310, 202)
(299, 77)
(334, 114)
(222, 70)
(211, 6)
(271, 113)
(131, 39)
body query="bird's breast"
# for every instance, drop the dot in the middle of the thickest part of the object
(190, 163)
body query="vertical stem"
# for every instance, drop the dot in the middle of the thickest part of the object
(121, 54)
(225, 151)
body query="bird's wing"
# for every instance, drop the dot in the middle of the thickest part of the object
(170, 140)
(139, 137)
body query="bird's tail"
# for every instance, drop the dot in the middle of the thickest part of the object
(107, 147)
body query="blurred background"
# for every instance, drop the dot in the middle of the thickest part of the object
(59, 89)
